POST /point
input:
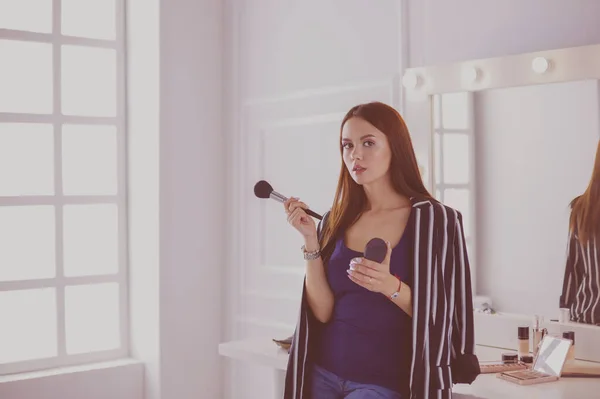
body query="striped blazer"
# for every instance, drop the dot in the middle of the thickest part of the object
(443, 337)
(581, 282)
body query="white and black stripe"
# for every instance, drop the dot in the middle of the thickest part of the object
(443, 331)
(581, 283)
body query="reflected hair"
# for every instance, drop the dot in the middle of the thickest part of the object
(350, 200)
(585, 209)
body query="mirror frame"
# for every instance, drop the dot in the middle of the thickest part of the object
(421, 84)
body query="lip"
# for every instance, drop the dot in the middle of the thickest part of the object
(358, 169)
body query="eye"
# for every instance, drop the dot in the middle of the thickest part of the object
(369, 143)
(346, 145)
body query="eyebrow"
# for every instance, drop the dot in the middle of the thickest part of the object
(362, 138)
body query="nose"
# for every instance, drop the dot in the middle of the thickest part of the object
(356, 153)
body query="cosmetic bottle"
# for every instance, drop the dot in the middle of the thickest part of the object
(538, 333)
(523, 339)
(571, 354)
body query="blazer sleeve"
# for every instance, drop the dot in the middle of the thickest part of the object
(465, 365)
(573, 272)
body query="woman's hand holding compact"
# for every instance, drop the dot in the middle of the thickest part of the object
(375, 277)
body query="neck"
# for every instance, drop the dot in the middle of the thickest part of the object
(381, 196)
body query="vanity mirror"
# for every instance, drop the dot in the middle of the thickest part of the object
(512, 142)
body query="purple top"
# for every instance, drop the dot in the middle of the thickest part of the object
(369, 338)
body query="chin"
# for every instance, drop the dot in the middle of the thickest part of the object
(361, 180)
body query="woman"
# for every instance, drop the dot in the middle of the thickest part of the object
(581, 283)
(381, 330)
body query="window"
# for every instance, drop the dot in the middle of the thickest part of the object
(63, 287)
(453, 148)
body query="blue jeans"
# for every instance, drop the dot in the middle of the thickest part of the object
(326, 385)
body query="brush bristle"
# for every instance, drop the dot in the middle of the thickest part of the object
(263, 189)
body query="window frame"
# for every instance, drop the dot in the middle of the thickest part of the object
(58, 199)
(439, 185)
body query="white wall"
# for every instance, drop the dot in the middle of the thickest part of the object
(534, 152)
(297, 67)
(192, 189)
(447, 31)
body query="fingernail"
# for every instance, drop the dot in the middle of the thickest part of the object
(349, 271)
(351, 266)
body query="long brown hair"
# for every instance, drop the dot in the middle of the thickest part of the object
(350, 199)
(585, 209)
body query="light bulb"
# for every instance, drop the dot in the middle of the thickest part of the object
(470, 75)
(540, 65)
(410, 80)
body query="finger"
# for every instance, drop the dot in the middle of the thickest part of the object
(367, 275)
(363, 280)
(292, 216)
(366, 271)
(297, 204)
(287, 204)
(296, 217)
(366, 263)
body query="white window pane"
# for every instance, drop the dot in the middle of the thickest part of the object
(92, 317)
(458, 198)
(455, 111)
(90, 239)
(437, 154)
(89, 81)
(25, 77)
(89, 18)
(456, 158)
(27, 239)
(26, 159)
(17, 14)
(89, 160)
(436, 111)
(438, 195)
(28, 325)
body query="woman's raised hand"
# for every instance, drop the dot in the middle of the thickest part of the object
(297, 217)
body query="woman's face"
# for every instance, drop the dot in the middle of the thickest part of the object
(365, 150)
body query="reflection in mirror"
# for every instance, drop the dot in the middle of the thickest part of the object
(454, 175)
(581, 281)
(511, 160)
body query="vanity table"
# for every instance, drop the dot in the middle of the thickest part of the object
(264, 352)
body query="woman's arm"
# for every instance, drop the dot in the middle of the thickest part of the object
(404, 298)
(572, 277)
(318, 293)
(466, 366)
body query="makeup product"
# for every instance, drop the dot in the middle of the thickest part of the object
(523, 339)
(494, 368)
(548, 365)
(538, 333)
(571, 354)
(527, 359)
(509, 358)
(564, 315)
